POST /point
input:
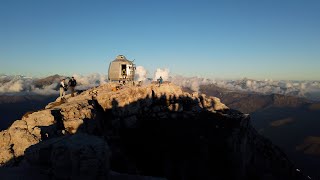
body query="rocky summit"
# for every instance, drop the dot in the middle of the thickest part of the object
(139, 132)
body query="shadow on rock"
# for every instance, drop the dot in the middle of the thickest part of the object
(173, 137)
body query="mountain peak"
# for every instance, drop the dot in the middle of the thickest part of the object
(143, 130)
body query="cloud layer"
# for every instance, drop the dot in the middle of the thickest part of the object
(25, 85)
(21, 85)
(308, 89)
(141, 73)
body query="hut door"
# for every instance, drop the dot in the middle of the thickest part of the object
(123, 69)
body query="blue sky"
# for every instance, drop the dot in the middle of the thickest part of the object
(226, 39)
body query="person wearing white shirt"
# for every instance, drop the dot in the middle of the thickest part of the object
(62, 87)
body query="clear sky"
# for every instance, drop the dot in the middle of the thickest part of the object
(228, 39)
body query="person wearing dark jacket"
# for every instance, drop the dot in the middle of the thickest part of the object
(160, 80)
(72, 85)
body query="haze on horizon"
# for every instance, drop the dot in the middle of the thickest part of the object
(213, 39)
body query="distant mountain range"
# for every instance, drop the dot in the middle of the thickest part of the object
(13, 106)
(290, 122)
(40, 83)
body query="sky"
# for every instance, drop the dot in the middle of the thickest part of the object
(223, 39)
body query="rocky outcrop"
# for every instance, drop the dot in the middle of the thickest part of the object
(80, 156)
(142, 132)
(22, 134)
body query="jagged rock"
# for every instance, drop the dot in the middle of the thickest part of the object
(4, 139)
(24, 133)
(72, 125)
(151, 130)
(176, 107)
(71, 114)
(5, 148)
(40, 118)
(78, 156)
(21, 139)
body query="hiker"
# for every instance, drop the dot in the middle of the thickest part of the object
(124, 73)
(72, 85)
(160, 81)
(62, 88)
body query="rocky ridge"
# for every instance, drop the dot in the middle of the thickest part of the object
(141, 133)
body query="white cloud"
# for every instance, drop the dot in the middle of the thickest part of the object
(23, 85)
(46, 90)
(191, 82)
(14, 84)
(309, 89)
(89, 81)
(141, 73)
(164, 73)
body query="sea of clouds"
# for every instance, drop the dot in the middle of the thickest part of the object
(26, 85)
(307, 89)
(21, 85)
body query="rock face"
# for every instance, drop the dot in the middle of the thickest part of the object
(80, 156)
(280, 118)
(141, 133)
(22, 134)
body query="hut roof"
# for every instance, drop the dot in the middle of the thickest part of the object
(122, 58)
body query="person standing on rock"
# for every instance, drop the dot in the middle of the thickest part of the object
(62, 88)
(160, 81)
(72, 85)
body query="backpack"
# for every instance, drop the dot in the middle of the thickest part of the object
(73, 83)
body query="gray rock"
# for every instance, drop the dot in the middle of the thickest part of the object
(78, 156)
